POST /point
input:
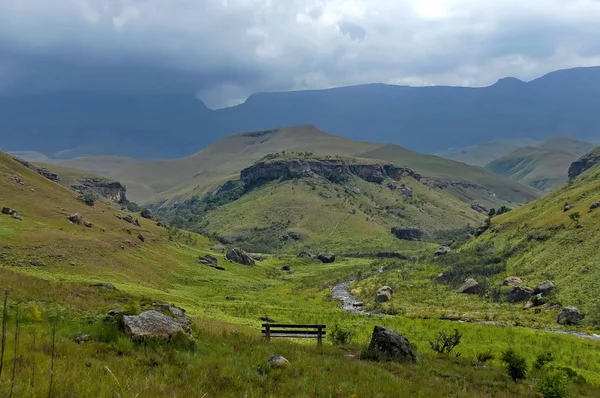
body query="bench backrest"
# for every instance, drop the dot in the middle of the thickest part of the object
(294, 331)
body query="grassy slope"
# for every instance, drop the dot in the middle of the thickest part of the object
(227, 355)
(436, 167)
(150, 182)
(550, 247)
(543, 167)
(323, 213)
(482, 154)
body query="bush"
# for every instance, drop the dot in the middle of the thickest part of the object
(516, 366)
(341, 336)
(554, 384)
(483, 357)
(543, 359)
(444, 343)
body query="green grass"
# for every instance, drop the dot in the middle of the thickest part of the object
(229, 356)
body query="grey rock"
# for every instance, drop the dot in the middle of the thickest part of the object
(75, 218)
(131, 220)
(151, 325)
(407, 233)
(147, 214)
(584, 163)
(106, 285)
(519, 293)
(305, 254)
(478, 207)
(535, 301)
(115, 315)
(82, 338)
(570, 316)
(8, 211)
(512, 281)
(230, 298)
(218, 248)
(141, 237)
(239, 256)
(594, 206)
(388, 344)
(37, 263)
(173, 311)
(256, 256)
(568, 207)
(545, 287)
(292, 235)
(384, 294)
(443, 250)
(441, 278)
(358, 304)
(277, 361)
(88, 224)
(326, 258)
(210, 261)
(392, 185)
(470, 286)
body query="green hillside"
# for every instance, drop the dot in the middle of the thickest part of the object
(48, 265)
(543, 167)
(179, 179)
(342, 214)
(545, 240)
(484, 153)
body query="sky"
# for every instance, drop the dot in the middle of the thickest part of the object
(225, 50)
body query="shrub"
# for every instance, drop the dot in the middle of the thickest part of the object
(444, 342)
(483, 357)
(516, 366)
(554, 384)
(543, 359)
(88, 197)
(341, 336)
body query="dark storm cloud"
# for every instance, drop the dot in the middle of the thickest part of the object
(226, 49)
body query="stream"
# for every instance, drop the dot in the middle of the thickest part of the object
(341, 292)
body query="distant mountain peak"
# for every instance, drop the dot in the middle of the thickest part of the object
(509, 82)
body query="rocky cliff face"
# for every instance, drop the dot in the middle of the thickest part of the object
(269, 170)
(112, 190)
(40, 170)
(584, 163)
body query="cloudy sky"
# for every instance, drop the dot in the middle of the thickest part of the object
(226, 49)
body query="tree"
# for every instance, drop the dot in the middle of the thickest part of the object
(575, 217)
(516, 365)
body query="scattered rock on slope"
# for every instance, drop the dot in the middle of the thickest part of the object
(239, 256)
(75, 218)
(131, 220)
(570, 316)
(305, 254)
(594, 206)
(545, 287)
(152, 324)
(512, 281)
(326, 258)
(568, 207)
(11, 212)
(478, 207)
(37, 263)
(535, 301)
(147, 214)
(218, 248)
(387, 344)
(407, 233)
(384, 294)
(107, 285)
(520, 293)
(443, 250)
(210, 261)
(277, 361)
(470, 286)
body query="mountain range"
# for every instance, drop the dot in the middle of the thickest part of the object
(424, 119)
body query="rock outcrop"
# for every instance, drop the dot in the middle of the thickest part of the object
(407, 233)
(519, 293)
(470, 286)
(584, 163)
(388, 344)
(326, 258)
(384, 294)
(277, 361)
(112, 190)
(152, 325)
(210, 261)
(76, 218)
(269, 170)
(478, 207)
(570, 316)
(40, 170)
(545, 287)
(239, 256)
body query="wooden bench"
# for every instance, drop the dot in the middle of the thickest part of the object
(294, 331)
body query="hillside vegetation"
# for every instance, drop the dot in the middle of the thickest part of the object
(48, 265)
(544, 166)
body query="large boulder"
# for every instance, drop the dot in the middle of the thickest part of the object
(239, 256)
(545, 287)
(147, 214)
(570, 316)
(443, 250)
(407, 233)
(210, 261)
(277, 361)
(519, 293)
(512, 281)
(470, 286)
(326, 258)
(75, 218)
(152, 325)
(387, 344)
(305, 254)
(535, 301)
(478, 207)
(131, 220)
(384, 294)
(175, 312)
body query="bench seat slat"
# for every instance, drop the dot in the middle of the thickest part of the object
(294, 332)
(297, 336)
(281, 325)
